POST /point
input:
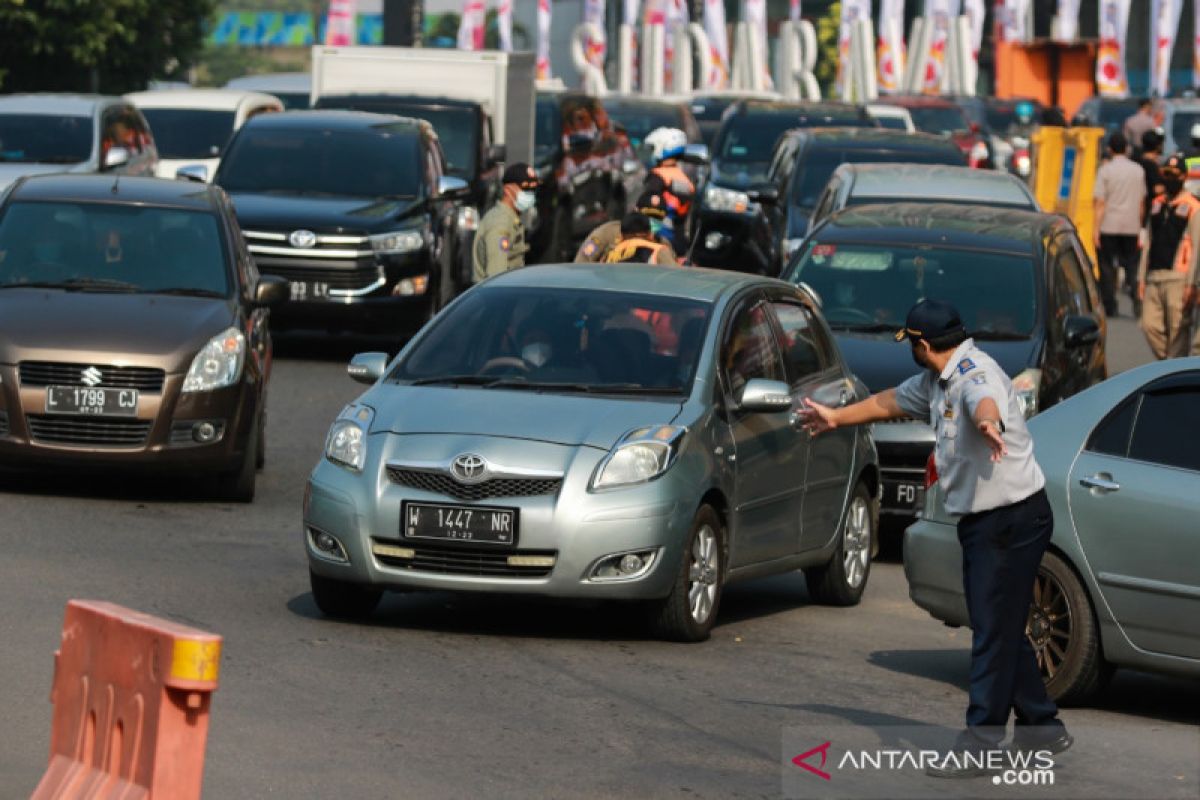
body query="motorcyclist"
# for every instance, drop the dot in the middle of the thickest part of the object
(668, 179)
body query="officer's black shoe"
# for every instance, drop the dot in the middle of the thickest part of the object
(1058, 740)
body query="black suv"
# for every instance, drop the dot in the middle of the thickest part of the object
(740, 180)
(1021, 280)
(354, 210)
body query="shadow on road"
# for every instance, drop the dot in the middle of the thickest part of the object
(948, 666)
(311, 346)
(128, 486)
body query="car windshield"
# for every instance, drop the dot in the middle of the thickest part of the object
(747, 138)
(1181, 126)
(189, 132)
(936, 119)
(562, 340)
(891, 122)
(710, 109)
(45, 138)
(112, 247)
(382, 161)
(810, 177)
(1113, 112)
(456, 127)
(872, 287)
(638, 118)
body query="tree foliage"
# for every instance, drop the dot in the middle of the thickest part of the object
(98, 45)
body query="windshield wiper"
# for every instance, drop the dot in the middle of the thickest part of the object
(78, 285)
(590, 388)
(865, 327)
(450, 380)
(185, 292)
(998, 336)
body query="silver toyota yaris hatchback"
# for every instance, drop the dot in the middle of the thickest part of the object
(620, 432)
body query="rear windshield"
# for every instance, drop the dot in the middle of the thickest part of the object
(112, 247)
(891, 123)
(188, 132)
(570, 340)
(710, 109)
(935, 119)
(457, 128)
(45, 138)
(751, 137)
(872, 287)
(810, 177)
(382, 161)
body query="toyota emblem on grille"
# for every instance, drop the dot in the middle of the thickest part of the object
(302, 239)
(469, 468)
(91, 377)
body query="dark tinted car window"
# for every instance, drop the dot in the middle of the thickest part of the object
(131, 247)
(750, 350)
(1181, 125)
(1111, 437)
(752, 136)
(801, 343)
(457, 128)
(381, 162)
(940, 120)
(547, 126)
(1161, 419)
(189, 133)
(892, 123)
(638, 118)
(818, 165)
(45, 138)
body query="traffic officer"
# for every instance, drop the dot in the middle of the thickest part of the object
(985, 465)
(500, 240)
(604, 238)
(638, 245)
(1167, 274)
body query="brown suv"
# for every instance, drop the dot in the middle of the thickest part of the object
(133, 329)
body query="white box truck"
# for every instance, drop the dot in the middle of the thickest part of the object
(503, 83)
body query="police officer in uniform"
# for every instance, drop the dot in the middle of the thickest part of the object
(637, 244)
(500, 240)
(601, 241)
(986, 469)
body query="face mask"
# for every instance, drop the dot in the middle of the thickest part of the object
(1173, 185)
(536, 353)
(47, 252)
(525, 200)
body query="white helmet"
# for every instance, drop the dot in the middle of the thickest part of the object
(665, 143)
(1195, 132)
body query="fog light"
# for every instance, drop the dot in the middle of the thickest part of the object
(630, 564)
(410, 287)
(204, 432)
(623, 566)
(715, 241)
(327, 545)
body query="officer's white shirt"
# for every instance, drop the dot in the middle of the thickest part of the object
(967, 476)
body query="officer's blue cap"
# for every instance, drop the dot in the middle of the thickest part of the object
(930, 319)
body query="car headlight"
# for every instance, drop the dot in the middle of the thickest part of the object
(395, 242)
(346, 444)
(1028, 385)
(718, 198)
(641, 455)
(218, 364)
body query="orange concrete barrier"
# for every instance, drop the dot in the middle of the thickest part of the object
(131, 697)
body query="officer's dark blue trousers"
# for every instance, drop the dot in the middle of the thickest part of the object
(1001, 552)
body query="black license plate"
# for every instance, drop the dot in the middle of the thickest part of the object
(89, 402)
(903, 495)
(459, 523)
(308, 290)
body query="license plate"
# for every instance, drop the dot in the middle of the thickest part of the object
(459, 523)
(903, 495)
(85, 401)
(308, 290)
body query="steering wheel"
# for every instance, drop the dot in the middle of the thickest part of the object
(504, 362)
(857, 313)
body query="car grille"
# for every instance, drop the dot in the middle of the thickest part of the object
(355, 278)
(903, 456)
(438, 483)
(3, 423)
(52, 373)
(467, 561)
(276, 244)
(81, 430)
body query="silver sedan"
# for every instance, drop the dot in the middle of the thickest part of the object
(618, 432)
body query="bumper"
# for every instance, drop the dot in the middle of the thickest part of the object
(730, 241)
(933, 567)
(574, 527)
(382, 315)
(903, 448)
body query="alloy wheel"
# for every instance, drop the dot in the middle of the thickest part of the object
(703, 574)
(1049, 624)
(856, 542)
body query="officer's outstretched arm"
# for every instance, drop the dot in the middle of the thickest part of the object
(876, 408)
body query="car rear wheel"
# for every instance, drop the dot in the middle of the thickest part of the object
(688, 612)
(841, 581)
(343, 600)
(1065, 636)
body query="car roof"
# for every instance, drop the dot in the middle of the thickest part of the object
(755, 106)
(921, 102)
(208, 99)
(946, 224)
(691, 283)
(337, 119)
(273, 82)
(54, 103)
(936, 182)
(866, 138)
(406, 99)
(117, 189)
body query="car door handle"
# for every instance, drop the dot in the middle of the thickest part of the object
(1101, 482)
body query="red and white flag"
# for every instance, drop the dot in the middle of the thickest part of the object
(1164, 24)
(754, 12)
(471, 28)
(1013, 18)
(543, 40)
(975, 12)
(504, 24)
(1068, 20)
(794, 10)
(675, 15)
(939, 14)
(339, 27)
(891, 46)
(718, 43)
(1111, 79)
(594, 48)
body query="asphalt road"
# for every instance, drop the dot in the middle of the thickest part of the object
(492, 697)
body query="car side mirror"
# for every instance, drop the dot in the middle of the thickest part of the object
(767, 194)
(497, 154)
(451, 187)
(763, 396)
(1079, 330)
(367, 367)
(270, 291)
(193, 172)
(696, 154)
(116, 156)
(579, 143)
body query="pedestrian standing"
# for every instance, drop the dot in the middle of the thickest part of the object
(1137, 124)
(500, 240)
(1118, 199)
(986, 470)
(1167, 269)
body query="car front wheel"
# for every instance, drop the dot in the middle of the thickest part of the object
(841, 581)
(689, 611)
(1066, 639)
(343, 600)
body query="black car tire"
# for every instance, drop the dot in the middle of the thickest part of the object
(672, 618)
(343, 600)
(1081, 671)
(830, 583)
(260, 455)
(238, 486)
